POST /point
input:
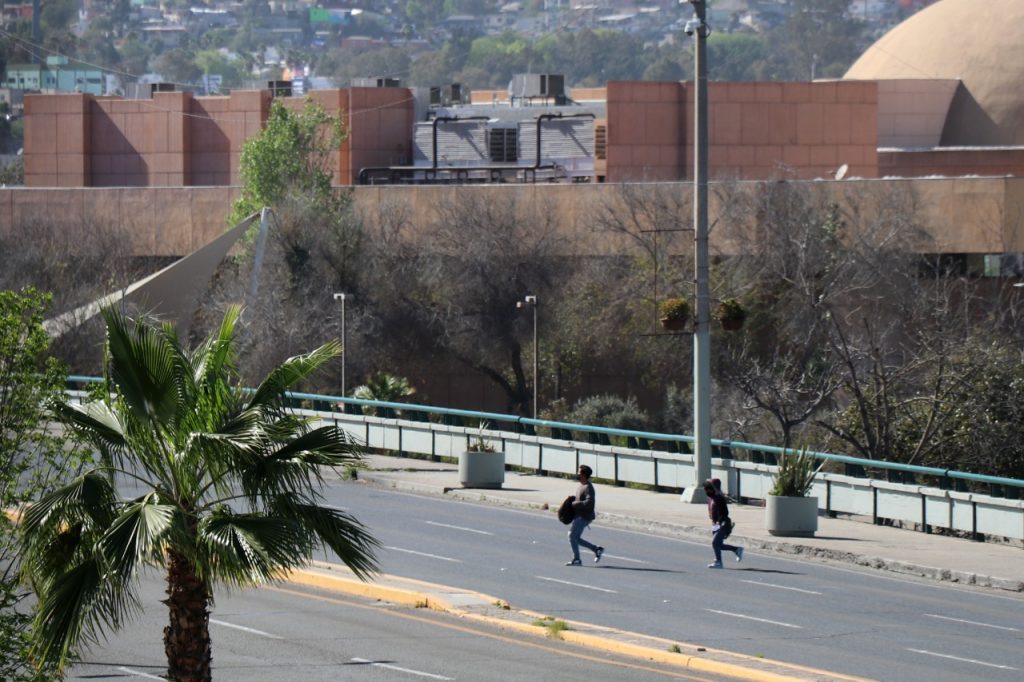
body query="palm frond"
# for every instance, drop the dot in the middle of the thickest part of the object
(249, 549)
(295, 465)
(78, 606)
(213, 358)
(89, 496)
(342, 533)
(94, 420)
(137, 533)
(292, 371)
(142, 366)
(324, 446)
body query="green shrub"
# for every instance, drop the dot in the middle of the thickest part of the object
(609, 411)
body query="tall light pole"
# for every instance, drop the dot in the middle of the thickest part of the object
(699, 29)
(531, 302)
(344, 341)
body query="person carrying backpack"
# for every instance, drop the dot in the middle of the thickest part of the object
(721, 524)
(583, 508)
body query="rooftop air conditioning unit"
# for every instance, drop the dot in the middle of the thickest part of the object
(552, 85)
(376, 83)
(538, 85)
(453, 93)
(160, 87)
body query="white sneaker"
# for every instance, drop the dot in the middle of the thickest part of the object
(739, 554)
(715, 564)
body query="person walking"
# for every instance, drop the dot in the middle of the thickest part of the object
(583, 508)
(721, 524)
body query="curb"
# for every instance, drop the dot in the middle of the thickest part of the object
(700, 533)
(481, 608)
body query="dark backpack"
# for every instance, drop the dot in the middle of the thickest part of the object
(565, 512)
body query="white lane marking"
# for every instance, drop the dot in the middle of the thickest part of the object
(759, 620)
(430, 556)
(583, 585)
(334, 507)
(973, 622)
(139, 673)
(244, 629)
(401, 670)
(624, 558)
(468, 530)
(780, 587)
(964, 660)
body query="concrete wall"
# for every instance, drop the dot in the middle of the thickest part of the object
(967, 161)
(963, 215)
(912, 111)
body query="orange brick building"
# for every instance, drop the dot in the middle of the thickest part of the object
(758, 131)
(178, 140)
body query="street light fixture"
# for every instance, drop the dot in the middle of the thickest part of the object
(531, 302)
(344, 341)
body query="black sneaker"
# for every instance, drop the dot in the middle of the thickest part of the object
(598, 553)
(574, 562)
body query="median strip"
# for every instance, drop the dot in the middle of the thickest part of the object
(496, 612)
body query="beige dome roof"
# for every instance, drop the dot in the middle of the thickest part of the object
(979, 42)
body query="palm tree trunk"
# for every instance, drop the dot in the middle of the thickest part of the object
(187, 637)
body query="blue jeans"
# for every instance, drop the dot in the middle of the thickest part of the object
(718, 543)
(579, 524)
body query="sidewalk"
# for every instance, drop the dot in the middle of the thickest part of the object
(986, 565)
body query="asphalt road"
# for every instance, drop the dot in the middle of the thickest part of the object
(844, 620)
(288, 633)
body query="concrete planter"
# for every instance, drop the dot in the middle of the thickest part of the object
(791, 516)
(481, 469)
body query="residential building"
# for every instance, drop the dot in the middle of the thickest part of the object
(58, 74)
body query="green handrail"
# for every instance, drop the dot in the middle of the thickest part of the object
(497, 417)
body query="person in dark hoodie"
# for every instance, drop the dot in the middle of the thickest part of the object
(721, 524)
(583, 507)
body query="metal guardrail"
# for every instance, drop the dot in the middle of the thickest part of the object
(923, 498)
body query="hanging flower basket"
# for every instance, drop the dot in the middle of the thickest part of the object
(731, 314)
(674, 314)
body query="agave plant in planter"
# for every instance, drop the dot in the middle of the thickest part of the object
(481, 465)
(674, 313)
(731, 314)
(789, 510)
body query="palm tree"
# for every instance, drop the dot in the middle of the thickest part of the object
(228, 485)
(384, 387)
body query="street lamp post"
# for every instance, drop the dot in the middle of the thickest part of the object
(344, 341)
(699, 29)
(531, 302)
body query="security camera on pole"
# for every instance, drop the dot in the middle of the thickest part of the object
(699, 29)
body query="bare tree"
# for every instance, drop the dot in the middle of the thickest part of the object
(487, 251)
(78, 263)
